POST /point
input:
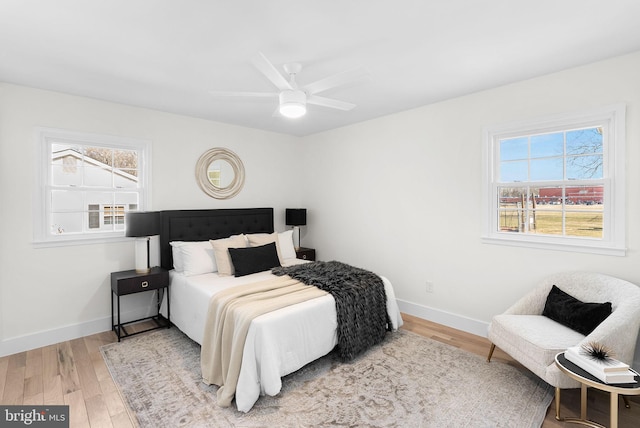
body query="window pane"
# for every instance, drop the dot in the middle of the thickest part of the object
(65, 223)
(113, 215)
(57, 148)
(511, 203)
(584, 141)
(66, 171)
(512, 196)
(125, 159)
(514, 148)
(96, 175)
(125, 178)
(584, 167)
(66, 165)
(94, 216)
(102, 155)
(547, 220)
(62, 200)
(509, 220)
(546, 145)
(67, 212)
(548, 196)
(587, 224)
(66, 161)
(514, 171)
(588, 196)
(546, 169)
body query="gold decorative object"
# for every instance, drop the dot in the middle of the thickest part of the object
(220, 173)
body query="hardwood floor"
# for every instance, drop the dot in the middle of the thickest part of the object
(75, 374)
(71, 373)
(597, 401)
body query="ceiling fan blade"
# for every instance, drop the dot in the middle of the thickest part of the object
(340, 79)
(269, 70)
(244, 94)
(330, 102)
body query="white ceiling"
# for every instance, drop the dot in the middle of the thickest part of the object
(168, 54)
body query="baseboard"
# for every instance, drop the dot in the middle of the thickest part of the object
(69, 332)
(459, 322)
(50, 337)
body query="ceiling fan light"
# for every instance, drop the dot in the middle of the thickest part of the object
(293, 104)
(293, 110)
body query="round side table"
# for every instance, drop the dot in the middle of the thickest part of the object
(586, 380)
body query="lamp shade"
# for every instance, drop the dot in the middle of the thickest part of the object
(142, 223)
(296, 216)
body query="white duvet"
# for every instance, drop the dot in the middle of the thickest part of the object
(278, 343)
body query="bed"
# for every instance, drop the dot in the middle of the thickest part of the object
(277, 343)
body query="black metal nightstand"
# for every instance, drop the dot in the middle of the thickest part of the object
(306, 253)
(130, 282)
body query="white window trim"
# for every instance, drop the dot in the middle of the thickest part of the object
(41, 237)
(613, 241)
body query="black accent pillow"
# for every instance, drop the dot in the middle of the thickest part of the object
(254, 259)
(571, 312)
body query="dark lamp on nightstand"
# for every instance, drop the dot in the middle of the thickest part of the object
(142, 225)
(296, 217)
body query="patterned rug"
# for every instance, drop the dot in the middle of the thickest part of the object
(407, 381)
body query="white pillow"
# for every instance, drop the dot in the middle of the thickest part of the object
(176, 254)
(221, 252)
(196, 258)
(258, 239)
(287, 250)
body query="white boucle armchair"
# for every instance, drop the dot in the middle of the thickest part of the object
(533, 339)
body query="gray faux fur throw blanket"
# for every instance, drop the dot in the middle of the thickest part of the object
(361, 303)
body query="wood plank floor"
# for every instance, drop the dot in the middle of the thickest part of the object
(75, 374)
(597, 401)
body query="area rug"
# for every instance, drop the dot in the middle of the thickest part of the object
(407, 381)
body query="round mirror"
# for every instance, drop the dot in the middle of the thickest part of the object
(220, 173)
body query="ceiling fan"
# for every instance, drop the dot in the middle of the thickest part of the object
(293, 100)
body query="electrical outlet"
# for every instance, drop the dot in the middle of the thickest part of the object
(429, 287)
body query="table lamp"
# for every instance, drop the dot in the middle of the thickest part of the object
(142, 225)
(296, 217)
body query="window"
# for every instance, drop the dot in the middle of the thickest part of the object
(87, 184)
(557, 183)
(214, 177)
(114, 214)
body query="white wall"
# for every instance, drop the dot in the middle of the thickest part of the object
(53, 294)
(401, 195)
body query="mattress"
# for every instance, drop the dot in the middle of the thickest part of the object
(277, 343)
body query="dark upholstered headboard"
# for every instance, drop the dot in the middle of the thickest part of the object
(201, 225)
